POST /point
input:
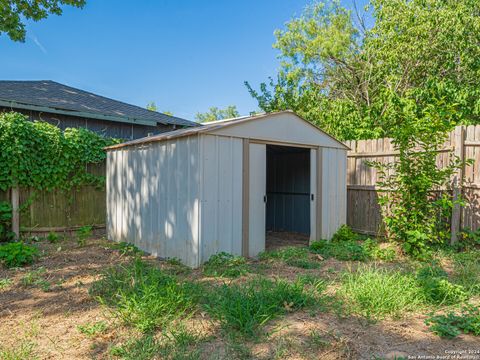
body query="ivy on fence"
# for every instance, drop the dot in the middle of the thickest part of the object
(41, 156)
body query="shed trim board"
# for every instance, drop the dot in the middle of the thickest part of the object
(191, 196)
(319, 212)
(245, 195)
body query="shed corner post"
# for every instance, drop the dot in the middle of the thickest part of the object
(245, 196)
(459, 151)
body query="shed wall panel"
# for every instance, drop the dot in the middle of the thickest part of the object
(221, 205)
(157, 209)
(334, 191)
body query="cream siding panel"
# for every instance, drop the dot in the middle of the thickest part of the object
(284, 127)
(157, 209)
(333, 191)
(257, 181)
(110, 190)
(221, 203)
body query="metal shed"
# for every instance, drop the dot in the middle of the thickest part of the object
(191, 193)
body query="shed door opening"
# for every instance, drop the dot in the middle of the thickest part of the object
(289, 195)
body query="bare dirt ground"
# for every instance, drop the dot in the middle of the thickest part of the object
(45, 317)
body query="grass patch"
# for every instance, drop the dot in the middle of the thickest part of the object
(451, 324)
(345, 250)
(292, 256)
(244, 308)
(379, 293)
(93, 329)
(347, 245)
(174, 344)
(5, 283)
(437, 288)
(143, 296)
(375, 252)
(127, 249)
(226, 265)
(22, 351)
(466, 268)
(36, 278)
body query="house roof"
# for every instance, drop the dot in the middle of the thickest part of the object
(213, 126)
(50, 96)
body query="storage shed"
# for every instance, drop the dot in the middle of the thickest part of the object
(192, 193)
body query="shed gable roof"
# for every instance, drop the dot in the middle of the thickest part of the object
(294, 129)
(46, 95)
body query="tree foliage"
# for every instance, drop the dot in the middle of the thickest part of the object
(39, 155)
(13, 13)
(340, 75)
(152, 106)
(215, 113)
(414, 192)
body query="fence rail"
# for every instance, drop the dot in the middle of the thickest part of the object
(363, 210)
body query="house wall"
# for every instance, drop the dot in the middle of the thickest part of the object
(108, 128)
(334, 190)
(153, 198)
(221, 195)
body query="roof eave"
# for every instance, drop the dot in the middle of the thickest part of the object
(85, 114)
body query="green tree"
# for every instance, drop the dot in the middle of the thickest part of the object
(151, 106)
(215, 113)
(13, 13)
(338, 74)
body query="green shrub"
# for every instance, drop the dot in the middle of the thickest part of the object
(93, 329)
(292, 256)
(143, 296)
(53, 237)
(83, 233)
(451, 324)
(345, 233)
(127, 249)
(225, 265)
(246, 307)
(437, 288)
(6, 234)
(379, 293)
(15, 254)
(467, 240)
(374, 251)
(343, 246)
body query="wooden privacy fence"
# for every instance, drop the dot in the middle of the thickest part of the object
(363, 211)
(62, 210)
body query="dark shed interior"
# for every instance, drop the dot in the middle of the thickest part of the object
(288, 189)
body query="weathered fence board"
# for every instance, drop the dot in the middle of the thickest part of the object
(62, 210)
(363, 211)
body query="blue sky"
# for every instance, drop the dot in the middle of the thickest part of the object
(186, 56)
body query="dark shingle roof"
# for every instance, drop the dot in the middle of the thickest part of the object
(76, 102)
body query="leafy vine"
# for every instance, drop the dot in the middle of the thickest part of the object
(41, 156)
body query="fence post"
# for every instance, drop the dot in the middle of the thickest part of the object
(459, 151)
(15, 194)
